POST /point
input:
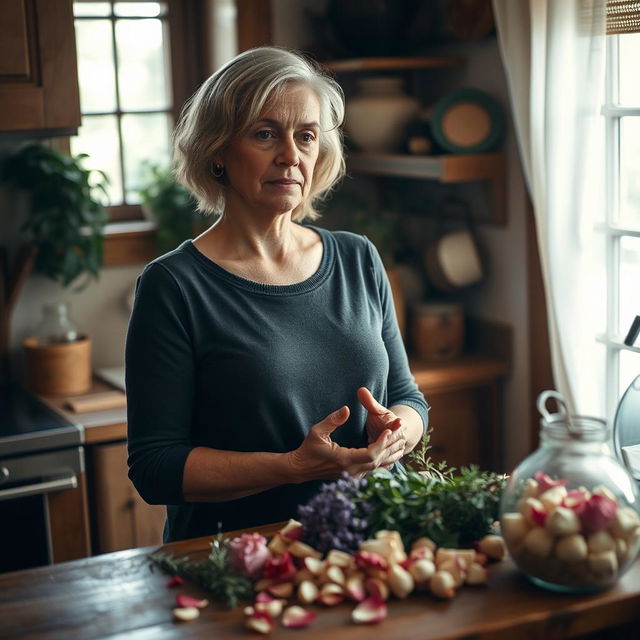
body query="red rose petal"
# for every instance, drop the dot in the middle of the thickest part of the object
(175, 581)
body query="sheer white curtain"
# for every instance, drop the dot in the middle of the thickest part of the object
(554, 54)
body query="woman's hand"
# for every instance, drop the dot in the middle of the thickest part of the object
(320, 458)
(380, 419)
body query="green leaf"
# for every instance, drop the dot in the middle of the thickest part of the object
(65, 197)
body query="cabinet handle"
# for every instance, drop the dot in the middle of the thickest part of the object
(60, 484)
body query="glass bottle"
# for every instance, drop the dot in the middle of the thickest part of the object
(569, 513)
(56, 325)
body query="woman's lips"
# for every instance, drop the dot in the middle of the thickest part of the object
(284, 184)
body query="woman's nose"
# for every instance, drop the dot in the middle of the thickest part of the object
(288, 152)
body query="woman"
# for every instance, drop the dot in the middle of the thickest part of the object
(261, 355)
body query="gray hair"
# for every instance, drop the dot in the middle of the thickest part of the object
(230, 101)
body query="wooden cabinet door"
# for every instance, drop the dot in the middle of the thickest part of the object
(465, 426)
(123, 520)
(38, 68)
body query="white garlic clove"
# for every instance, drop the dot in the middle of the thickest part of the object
(186, 614)
(562, 522)
(572, 548)
(538, 542)
(400, 581)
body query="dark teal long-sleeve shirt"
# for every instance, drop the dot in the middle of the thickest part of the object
(215, 360)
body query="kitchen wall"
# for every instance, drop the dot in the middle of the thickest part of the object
(503, 297)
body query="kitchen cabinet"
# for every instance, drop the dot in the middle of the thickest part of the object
(122, 519)
(38, 71)
(465, 397)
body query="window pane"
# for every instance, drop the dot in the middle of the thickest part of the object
(91, 9)
(629, 369)
(629, 56)
(629, 282)
(98, 136)
(143, 9)
(599, 303)
(141, 60)
(630, 171)
(146, 139)
(95, 65)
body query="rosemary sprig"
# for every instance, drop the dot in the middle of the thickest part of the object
(418, 460)
(214, 574)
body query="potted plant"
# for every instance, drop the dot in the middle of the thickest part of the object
(65, 226)
(170, 205)
(66, 218)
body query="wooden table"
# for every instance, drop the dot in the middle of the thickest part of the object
(123, 595)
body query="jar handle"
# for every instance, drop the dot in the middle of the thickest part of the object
(542, 406)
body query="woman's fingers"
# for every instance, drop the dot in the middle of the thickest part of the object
(367, 400)
(334, 420)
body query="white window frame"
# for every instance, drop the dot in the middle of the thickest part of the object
(611, 228)
(125, 209)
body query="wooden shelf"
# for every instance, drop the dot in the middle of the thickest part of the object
(446, 168)
(469, 369)
(396, 64)
(454, 168)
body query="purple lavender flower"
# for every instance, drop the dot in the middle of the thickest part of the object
(334, 518)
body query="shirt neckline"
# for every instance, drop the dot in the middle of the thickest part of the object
(304, 286)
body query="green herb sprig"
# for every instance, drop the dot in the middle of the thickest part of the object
(214, 574)
(453, 510)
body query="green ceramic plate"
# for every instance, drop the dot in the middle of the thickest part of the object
(467, 121)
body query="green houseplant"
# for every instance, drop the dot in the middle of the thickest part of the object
(66, 218)
(170, 205)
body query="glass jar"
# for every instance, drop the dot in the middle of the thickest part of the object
(569, 512)
(56, 325)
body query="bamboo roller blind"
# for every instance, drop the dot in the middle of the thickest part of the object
(623, 16)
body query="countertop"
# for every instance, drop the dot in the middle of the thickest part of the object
(122, 594)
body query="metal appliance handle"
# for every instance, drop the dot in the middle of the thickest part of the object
(59, 484)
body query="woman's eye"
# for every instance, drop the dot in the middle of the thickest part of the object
(265, 134)
(308, 137)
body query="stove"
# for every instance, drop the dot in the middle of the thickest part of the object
(42, 484)
(28, 425)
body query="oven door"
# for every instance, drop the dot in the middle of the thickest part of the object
(42, 509)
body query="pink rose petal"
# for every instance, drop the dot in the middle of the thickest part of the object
(545, 482)
(183, 600)
(370, 560)
(263, 596)
(370, 611)
(297, 618)
(598, 512)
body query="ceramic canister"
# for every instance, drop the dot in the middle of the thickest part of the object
(437, 331)
(377, 117)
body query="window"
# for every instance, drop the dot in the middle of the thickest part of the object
(619, 231)
(125, 91)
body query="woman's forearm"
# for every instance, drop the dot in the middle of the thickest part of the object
(213, 475)
(412, 422)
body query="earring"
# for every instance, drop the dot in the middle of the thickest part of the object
(217, 170)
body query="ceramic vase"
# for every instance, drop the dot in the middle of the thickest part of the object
(377, 117)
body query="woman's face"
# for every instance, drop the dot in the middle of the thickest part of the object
(270, 168)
